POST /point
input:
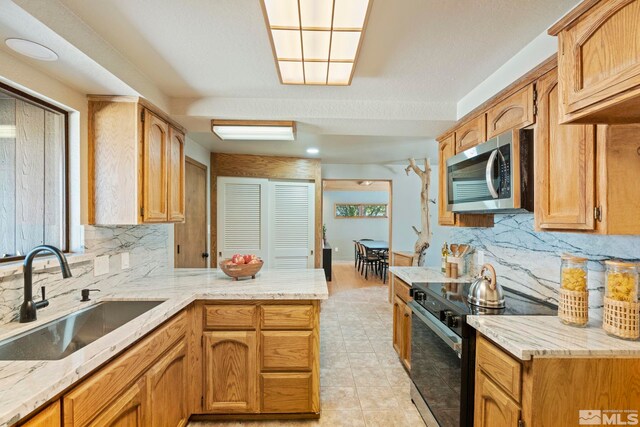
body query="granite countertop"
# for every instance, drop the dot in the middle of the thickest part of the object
(27, 385)
(545, 336)
(425, 274)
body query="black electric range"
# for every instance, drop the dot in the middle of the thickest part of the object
(443, 347)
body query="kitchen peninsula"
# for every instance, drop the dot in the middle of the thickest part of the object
(260, 338)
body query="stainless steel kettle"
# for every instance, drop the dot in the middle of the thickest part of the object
(486, 292)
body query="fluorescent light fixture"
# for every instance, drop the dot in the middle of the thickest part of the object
(316, 42)
(254, 130)
(313, 150)
(31, 49)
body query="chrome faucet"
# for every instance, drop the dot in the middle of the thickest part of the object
(28, 308)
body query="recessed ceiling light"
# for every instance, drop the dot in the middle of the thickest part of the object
(313, 150)
(32, 49)
(316, 42)
(365, 183)
(254, 130)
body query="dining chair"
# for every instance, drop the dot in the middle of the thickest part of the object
(370, 261)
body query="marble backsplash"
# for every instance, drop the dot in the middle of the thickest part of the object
(147, 246)
(529, 261)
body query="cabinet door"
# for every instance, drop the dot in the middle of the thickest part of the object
(398, 317)
(231, 373)
(127, 410)
(565, 165)
(154, 169)
(167, 388)
(599, 64)
(447, 150)
(286, 392)
(406, 337)
(48, 417)
(493, 408)
(175, 176)
(471, 133)
(515, 112)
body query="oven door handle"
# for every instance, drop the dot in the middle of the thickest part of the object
(489, 173)
(436, 326)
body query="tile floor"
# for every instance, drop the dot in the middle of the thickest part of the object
(362, 380)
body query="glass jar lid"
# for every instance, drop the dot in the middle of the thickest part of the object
(625, 264)
(573, 258)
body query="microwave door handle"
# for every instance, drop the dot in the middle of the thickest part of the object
(489, 174)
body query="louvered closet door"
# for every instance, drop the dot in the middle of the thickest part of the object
(291, 224)
(242, 217)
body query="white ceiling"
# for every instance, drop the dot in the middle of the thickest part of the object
(212, 58)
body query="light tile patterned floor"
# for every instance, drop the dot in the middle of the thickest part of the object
(362, 380)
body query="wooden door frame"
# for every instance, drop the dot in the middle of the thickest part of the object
(390, 204)
(204, 167)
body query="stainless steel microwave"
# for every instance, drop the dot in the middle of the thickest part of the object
(495, 176)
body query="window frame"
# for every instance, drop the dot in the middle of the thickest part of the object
(46, 105)
(361, 214)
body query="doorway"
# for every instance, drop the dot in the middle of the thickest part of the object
(355, 209)
(191, 236)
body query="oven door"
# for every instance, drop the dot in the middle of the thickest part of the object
(479, 179)
(436, 366)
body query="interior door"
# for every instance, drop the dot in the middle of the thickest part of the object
(191, 236)
(242, 217)
(291, 224)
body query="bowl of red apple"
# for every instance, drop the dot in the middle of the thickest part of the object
(241, 266)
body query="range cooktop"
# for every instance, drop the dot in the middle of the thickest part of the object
(448, 302)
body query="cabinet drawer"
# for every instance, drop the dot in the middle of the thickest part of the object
(402, 289)
(287, 316)
(515, 112)
(286, 393)
(230, 316)
(287, 350)
(500, 367)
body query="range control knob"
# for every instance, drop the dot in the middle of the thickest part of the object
(453, 321)
(419, 296)
(445, 315)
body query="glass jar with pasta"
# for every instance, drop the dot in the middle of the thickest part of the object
(622, 281)
(573, 303)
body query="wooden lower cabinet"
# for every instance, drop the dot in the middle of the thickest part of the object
(551, 391)
(265, 361)
(402, 322)
(405, 356)
(230, 370)
(167, 388)
(493, 408)
(398, 314)
(48, 417)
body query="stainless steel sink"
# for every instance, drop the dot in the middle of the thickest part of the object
(59, 338)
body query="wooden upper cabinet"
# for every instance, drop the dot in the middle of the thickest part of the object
(515, 112)
(471, 133)
(176, 175)
(565, 165)
(599, 62)
(447, 150)
(154, 168)
(167, 384)
(231, 372)
(136, 163)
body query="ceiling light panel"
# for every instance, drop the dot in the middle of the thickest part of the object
(316, 42)
(237, 130)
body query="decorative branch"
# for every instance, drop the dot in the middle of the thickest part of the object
(424, 235)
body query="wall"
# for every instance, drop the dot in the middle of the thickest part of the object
(529, 261)
(405, 202)
(341, 232)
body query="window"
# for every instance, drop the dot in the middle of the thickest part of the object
(355, 210)
(33, 176)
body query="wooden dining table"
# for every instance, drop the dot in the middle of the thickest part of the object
(375, 245)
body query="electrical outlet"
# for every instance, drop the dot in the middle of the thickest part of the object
(336, 248)
(101, 265)
(124, 260)
(480, 257)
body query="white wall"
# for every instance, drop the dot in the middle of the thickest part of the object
(198, 153)
(405, 202)
(341, 232)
